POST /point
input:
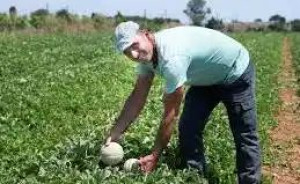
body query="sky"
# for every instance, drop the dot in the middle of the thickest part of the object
(226, 9)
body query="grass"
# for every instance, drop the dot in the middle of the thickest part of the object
(59, 95)
(295, 41)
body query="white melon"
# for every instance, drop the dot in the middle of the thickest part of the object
(111, 154)
(131, 164)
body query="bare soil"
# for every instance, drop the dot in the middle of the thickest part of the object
(285, 137)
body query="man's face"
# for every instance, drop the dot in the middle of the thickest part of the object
(142, 48)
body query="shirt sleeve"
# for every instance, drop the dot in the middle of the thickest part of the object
(142, 69)
(175, 73)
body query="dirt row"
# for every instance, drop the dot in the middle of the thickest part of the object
(285, 138)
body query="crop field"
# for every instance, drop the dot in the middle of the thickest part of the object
(60, 94)
(295, 39)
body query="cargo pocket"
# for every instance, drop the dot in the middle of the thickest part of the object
(248, 116)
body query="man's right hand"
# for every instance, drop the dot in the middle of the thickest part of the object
(133, 106)
(107, 141)
(113, 138)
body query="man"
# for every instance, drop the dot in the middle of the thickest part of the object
(216, 67)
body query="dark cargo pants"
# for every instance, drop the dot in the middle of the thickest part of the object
(239, 100)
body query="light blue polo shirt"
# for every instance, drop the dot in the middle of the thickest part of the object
(196, 56)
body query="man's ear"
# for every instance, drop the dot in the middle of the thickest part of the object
(147, 33)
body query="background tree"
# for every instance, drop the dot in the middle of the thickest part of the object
(64, 14)
(215, 23)
(278, 23)
(12, 16)
(13, 11)
(258, 20)
(40, 12)
(295, 25)
(197, 11)
(119, 18)
(38, 18)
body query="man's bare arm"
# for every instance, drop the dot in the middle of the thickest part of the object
(171, 110)
(133, 106)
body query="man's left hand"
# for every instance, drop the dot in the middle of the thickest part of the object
(148, 163)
